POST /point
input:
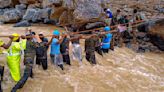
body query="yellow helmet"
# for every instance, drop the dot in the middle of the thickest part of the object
(16, 36)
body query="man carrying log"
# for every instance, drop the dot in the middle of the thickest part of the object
(55, 53)
(90, 45)
(29, 55)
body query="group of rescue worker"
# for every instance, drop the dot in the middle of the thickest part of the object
(34, 46)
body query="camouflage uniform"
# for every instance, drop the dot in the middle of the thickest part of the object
(90, 50)
(30, 50)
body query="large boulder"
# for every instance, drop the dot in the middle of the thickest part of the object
(154, 29)
(47, 3)
(36, 15)
(87, 9)
(12, 15)
(156, 34)
(21, 7)
(28, 1)
(5, 3)
(32, 15)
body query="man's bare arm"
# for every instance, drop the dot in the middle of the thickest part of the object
(6, 46)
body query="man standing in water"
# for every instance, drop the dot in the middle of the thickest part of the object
(41, 55)
(29, 55)
(64, 48)
(29, 58)
(55, 53)
(76, 48)
(90, 44)
(5, 46)
(14, 56)
(106, 40)
(109, 16)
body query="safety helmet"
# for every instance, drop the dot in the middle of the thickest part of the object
(16, 36)
(107, 28)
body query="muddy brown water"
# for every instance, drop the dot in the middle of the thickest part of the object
(121, 70)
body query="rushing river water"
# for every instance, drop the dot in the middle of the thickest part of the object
(121, 70)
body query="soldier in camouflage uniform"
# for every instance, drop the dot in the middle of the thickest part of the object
(90, 44)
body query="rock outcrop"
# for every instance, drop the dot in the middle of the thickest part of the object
(36, 15)
(22, 24)
(5, 3)
(12, 15)
(155, 32)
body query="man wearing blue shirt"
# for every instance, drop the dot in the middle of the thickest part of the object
(55, 53)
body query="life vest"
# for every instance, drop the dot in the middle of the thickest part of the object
(106, 41)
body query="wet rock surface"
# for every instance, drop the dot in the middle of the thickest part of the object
(22, 24)
(12, 15)
(36, 15)
(155, 33)
(149, 38)
(5, 3)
